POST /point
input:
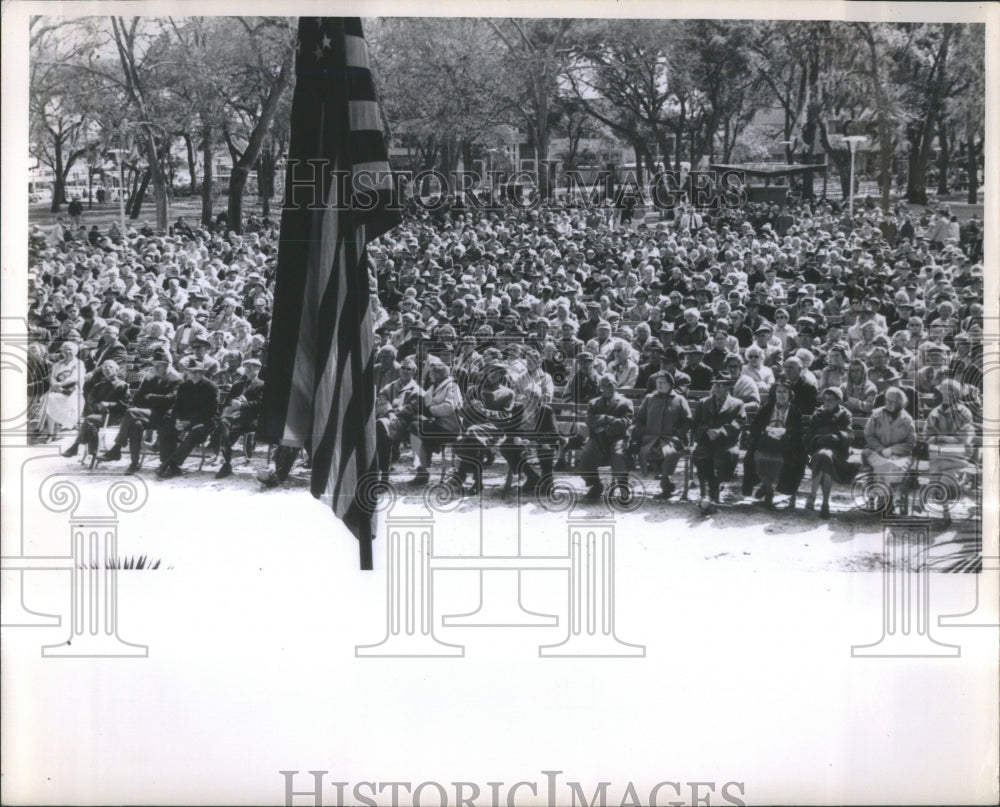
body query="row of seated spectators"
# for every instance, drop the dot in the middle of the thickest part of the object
(830, 308)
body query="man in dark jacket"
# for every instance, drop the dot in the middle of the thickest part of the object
(718, 421)
(105, 397)
(608, 419)
(190, 421)
(109, 348)
(152, 401)
(240, 410)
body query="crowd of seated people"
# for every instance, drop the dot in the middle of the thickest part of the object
(793, 338)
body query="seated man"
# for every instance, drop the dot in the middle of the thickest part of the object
(718, 421)
(609, 416)
(396, 409)
(104, 395)
(152, 400)
(700, 374)
(533, 394)
(489, 414)
(240, 409)
(661, 425)
(191, 419)
(439, 420)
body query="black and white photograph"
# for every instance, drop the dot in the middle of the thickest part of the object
(585, 404)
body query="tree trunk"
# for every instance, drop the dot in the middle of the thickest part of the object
(944, 160)
(159, 182)
(139, 196)
(189, 145)
(59, 185)
(234, 212)
(90, 188)
(207, 178)
(972, 166)
(265, 180)
(916, 182)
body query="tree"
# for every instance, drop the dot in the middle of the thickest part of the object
(439, 81)
(536, 55)
(132, 43)
(199, 69)
(254, 96)
(58, 122)
(619, 76)
(965, 105)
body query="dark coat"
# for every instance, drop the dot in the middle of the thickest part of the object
(113, 393)
(729, 416)
(794, 466)
(115, 352)
(834, 431)
(156, 393)
(197, 402)
(608, 420)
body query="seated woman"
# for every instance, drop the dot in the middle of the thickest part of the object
(835, 372)
(757, 370)
(439, 421)
(949, 433)
(859, 392)
(744, 387)
(890, 436)
(62, 404)
(775, 457)
(828, 443)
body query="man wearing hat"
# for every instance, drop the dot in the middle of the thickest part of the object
(190, 420)
(241, 408)
(199, 353)
(700, 374)
(661, 423)
(718, 420)
(110, 348)
(187, 330)
(609, 417)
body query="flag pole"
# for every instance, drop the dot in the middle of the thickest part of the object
(366, 534)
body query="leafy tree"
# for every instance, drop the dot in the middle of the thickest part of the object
(535, 59)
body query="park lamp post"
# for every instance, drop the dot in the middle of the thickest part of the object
(851, 141)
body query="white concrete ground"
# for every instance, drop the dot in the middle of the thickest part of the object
(747, 620)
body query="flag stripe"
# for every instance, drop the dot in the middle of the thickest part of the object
(364, 115)
(356, 51)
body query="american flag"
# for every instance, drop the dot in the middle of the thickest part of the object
(320, 390)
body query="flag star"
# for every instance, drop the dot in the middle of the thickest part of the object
(326, 41)
(318, 52)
